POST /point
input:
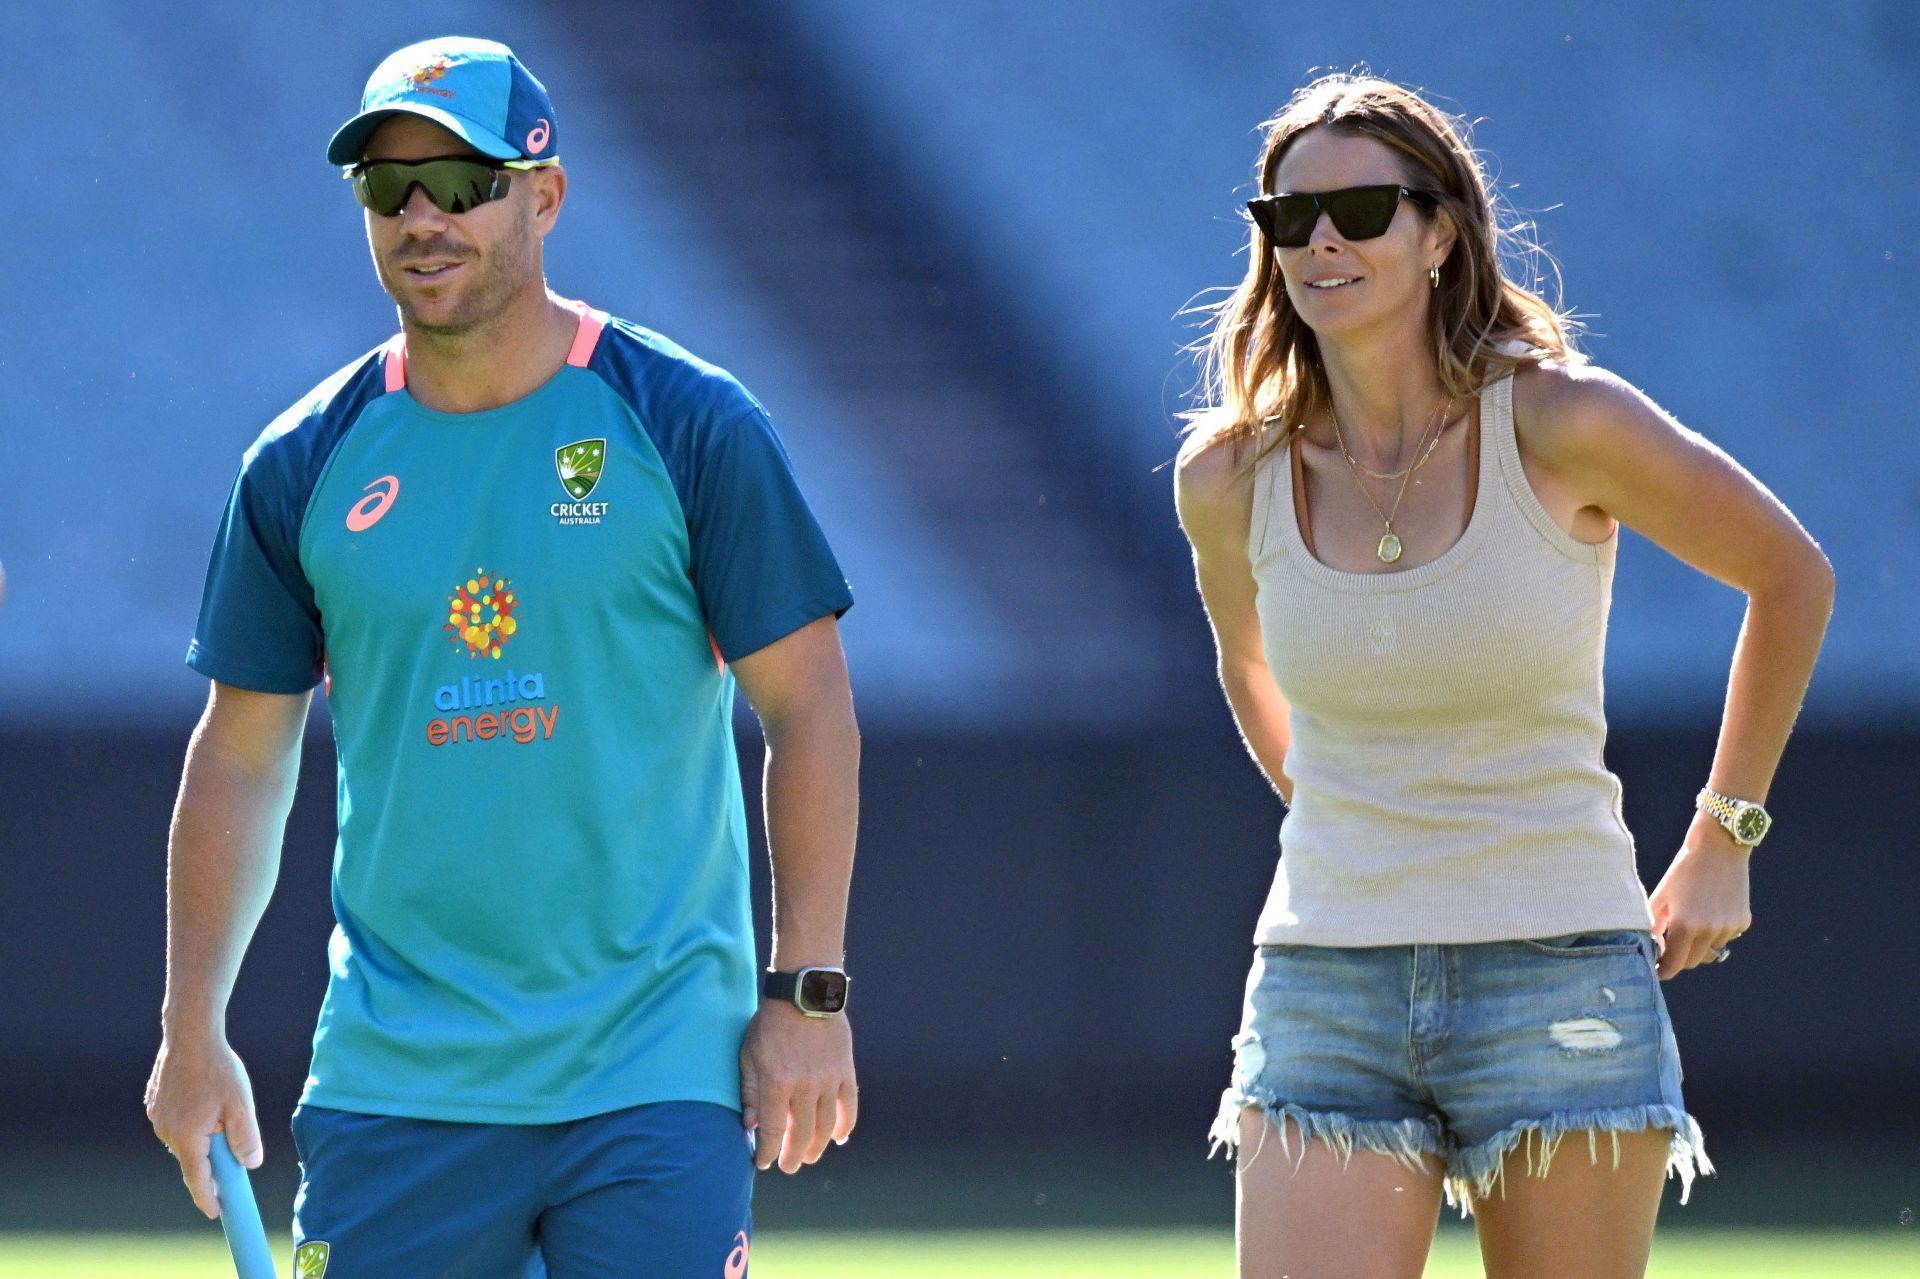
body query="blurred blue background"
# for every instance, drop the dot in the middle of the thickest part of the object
(950, 246)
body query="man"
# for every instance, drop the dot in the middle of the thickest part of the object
(531, 550)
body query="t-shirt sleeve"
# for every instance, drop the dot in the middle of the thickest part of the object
(761, 564)
(259, 626)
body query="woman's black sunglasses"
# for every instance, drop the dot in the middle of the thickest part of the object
(455, 183)
(1358, 213)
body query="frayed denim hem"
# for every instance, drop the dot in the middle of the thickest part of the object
(1403, 1140)
(1476, 1171)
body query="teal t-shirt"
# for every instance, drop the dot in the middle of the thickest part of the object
(523, 617)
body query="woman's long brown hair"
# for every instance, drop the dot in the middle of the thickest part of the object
(1262, 364)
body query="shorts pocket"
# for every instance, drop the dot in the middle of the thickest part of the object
(1574, 945)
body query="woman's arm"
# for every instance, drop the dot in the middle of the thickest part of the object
(1621, 454)
(1213, 488)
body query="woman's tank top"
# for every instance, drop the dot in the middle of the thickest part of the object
(1447, 727)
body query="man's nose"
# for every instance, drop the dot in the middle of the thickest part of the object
(420, 215)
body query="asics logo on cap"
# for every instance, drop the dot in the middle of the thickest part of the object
(537, 139)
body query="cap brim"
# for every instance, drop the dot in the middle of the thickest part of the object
(351, 140)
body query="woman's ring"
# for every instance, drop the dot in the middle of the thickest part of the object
(1723, 954)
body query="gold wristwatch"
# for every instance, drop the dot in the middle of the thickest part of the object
(1747, 822)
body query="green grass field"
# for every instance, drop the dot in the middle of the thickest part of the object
(1172, 1254)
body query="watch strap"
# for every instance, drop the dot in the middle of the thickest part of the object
(1729, 812)
(779, 985)
(787, 988)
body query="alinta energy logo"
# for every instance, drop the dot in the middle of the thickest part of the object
(482, 619)
(420, 80)
(480, 614)
(579, 465)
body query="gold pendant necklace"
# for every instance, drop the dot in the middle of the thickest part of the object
(1390, 546)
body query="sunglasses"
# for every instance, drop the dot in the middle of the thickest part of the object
(1358, 213)
(455, 183)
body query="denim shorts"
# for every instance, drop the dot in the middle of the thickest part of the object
(1463, 1052)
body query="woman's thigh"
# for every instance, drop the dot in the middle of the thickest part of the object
(1305, 1210)
(1339, 1160)
(1582, 1219)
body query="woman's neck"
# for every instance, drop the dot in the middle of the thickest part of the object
(1386, 392)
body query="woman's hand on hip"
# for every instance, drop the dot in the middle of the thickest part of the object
(1702, 902)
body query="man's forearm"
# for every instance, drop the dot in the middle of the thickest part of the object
(222, 859)
(812, 803)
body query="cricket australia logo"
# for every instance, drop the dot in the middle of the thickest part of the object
(579, 465)
(310, 1260)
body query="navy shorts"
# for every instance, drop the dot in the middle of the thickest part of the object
(662, 1190)
(1465, 1053)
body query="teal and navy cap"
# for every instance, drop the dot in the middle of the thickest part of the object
(476, 88)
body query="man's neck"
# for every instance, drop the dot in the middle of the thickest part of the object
(505, 359)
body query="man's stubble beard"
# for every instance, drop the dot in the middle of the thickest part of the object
(500, 275)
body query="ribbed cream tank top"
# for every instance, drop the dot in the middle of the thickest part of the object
(1447, 726)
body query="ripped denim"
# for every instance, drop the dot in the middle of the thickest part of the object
(1462, 1053)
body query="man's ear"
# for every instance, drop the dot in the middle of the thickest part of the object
(549, 193)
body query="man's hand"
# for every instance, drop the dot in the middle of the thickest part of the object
(199, 1088)
(796, 1085)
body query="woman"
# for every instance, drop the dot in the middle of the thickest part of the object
(1403, 499)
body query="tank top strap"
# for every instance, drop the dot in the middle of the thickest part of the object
(1272, 491)
(1496, 419)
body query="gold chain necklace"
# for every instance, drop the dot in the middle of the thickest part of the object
(1390, 544)
(1445, 422)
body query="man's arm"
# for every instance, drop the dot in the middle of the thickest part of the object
(222, 860)
(796, 1072)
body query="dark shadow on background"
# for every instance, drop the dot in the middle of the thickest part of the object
(1049, 938)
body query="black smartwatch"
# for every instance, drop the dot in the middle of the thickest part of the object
(817, 992)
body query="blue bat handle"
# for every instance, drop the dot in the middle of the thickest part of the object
(239, 1214)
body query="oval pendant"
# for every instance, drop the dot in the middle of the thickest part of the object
(1390, 547)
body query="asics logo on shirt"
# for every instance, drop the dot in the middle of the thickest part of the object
(367, 511)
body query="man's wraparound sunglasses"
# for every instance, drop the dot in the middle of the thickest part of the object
(455, 183)
(1358, 213)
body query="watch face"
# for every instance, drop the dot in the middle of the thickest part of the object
(823, 991)
(1751, 825)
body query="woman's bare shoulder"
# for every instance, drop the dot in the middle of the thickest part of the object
(1213, 483)
(1563, 411)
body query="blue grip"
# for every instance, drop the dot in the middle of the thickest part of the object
(239, 1214)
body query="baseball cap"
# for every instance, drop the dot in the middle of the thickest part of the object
(477, 89)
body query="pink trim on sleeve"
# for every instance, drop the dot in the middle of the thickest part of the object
(587, 336)
(396, 363)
